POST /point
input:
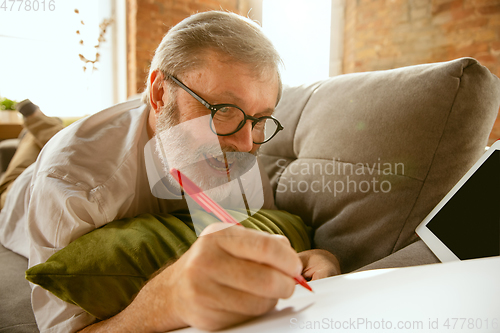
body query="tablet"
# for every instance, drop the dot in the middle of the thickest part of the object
(466, 223)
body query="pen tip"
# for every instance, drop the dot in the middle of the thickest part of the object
(300, 279)
(308, 287)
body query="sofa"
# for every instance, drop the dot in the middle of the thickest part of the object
(363, 159)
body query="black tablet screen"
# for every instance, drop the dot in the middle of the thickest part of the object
(469, 223)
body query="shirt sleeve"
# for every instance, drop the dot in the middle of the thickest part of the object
(59, 211)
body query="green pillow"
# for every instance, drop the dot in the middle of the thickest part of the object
(102, 271)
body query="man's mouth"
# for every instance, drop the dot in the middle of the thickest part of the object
(219, 162)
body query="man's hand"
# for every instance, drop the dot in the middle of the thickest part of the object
(227, 276)
(319, 264)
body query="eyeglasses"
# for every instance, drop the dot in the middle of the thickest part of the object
(227, 119)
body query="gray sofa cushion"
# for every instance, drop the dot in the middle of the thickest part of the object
(16, 315)
(396, 140)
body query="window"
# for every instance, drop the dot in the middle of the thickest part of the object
(40, 59)
(301, 32)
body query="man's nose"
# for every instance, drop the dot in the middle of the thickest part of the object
(242, 140)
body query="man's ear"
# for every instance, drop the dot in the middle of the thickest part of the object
(156, 90)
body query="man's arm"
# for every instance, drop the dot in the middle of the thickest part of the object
(227, 276)
(59, 211)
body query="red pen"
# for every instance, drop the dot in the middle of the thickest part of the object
(210, 206)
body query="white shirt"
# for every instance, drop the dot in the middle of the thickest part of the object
(91, 173)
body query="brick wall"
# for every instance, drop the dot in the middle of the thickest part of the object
(149, 20)
(385, 34)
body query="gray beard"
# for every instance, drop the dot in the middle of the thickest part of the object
(172, 146)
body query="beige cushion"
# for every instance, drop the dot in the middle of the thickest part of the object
(415, 131)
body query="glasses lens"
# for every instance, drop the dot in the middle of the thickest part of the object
(264, 130)
(227, 120)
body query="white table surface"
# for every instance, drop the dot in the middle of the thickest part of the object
(461, 296)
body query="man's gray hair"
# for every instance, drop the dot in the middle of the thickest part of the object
(183, 47)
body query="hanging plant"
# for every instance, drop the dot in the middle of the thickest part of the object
(102, 32)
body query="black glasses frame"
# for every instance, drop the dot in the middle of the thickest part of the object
(214, 108)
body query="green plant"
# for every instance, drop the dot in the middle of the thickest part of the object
(7, 104)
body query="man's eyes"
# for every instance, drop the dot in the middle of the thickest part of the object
(260, 125)
(224, 110)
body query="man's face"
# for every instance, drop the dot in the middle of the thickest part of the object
(189, 144)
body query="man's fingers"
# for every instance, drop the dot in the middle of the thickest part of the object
(321, 274)
(228, 276)
(210, 304)
(240, 302)
(213, 320)
(283, 239)
(319, 264)
(261, 247)
(214, 227)
(258, 279)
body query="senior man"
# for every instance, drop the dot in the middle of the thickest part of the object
(94, 172)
